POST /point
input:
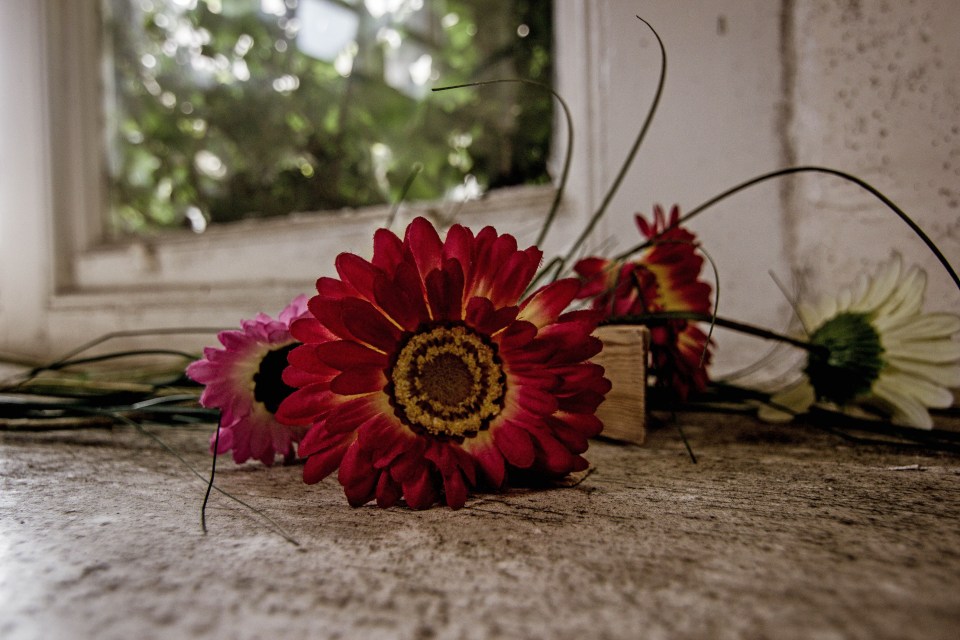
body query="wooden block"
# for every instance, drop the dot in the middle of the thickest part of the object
(624, 358)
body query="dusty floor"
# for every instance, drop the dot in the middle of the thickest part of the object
(778, 532)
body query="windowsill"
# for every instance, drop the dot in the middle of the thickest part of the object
(781, 532)
(280, 252)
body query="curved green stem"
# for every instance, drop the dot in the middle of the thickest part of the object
(808, 169)
(555, 206)
(630, 155)
(726, 323)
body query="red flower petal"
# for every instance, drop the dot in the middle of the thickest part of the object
(585, 401)
(491, 461)
(368, 325)
(422, 242)
(298, 378)
(459, 246)
(329, 312)
(512, 277)
(304, 358)
(357, 381)
(455, 490)
(333, 288)
(532, 400)
(385, 439)
(517, 337)
(387, 250)
(486, 320)
(515, 445)
(350, 415)
(320, 465)
(546, 305)
(406, 467)
(310, 330)
(445, 292)
(552, 455)
(305, 404)
(575, 441)
(419, 492)
(396, 305)
(358, 273)
(388, 492)
(357, 476)
(346, 354)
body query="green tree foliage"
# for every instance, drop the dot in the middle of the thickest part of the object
(217, 111)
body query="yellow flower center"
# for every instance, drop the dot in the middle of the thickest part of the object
(448, 381)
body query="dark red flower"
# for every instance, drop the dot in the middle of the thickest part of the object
(664, 277)
(422, 374)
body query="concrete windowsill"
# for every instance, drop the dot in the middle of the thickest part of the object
(783, 532)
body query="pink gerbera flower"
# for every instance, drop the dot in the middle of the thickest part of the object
(244, 380)
(422, 374)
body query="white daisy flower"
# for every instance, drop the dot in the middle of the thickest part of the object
(882, 352)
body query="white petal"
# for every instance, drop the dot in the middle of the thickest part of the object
(943, 351)
(860, 288)
(906, 410)
(809, 316)
(788, 403)
(928, 325)
(844, 300)
(907, 298)
(947, 375)
(929, 394)
(881, 287)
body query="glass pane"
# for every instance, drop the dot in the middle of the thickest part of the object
(220, 110)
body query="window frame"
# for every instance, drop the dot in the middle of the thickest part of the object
(87, 287)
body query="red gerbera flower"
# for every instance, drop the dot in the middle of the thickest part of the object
(244, 381)
(422, 373)
(665, 277)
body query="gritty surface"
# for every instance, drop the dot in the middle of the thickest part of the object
(777, 532)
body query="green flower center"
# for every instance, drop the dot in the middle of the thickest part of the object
(268, 385)
(852, 361)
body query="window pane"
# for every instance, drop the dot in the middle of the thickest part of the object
(220, 110)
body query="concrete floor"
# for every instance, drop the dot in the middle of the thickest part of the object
(778, 532)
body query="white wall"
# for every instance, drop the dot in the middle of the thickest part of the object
(866, 86)
(877, 92)
(719, 123)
